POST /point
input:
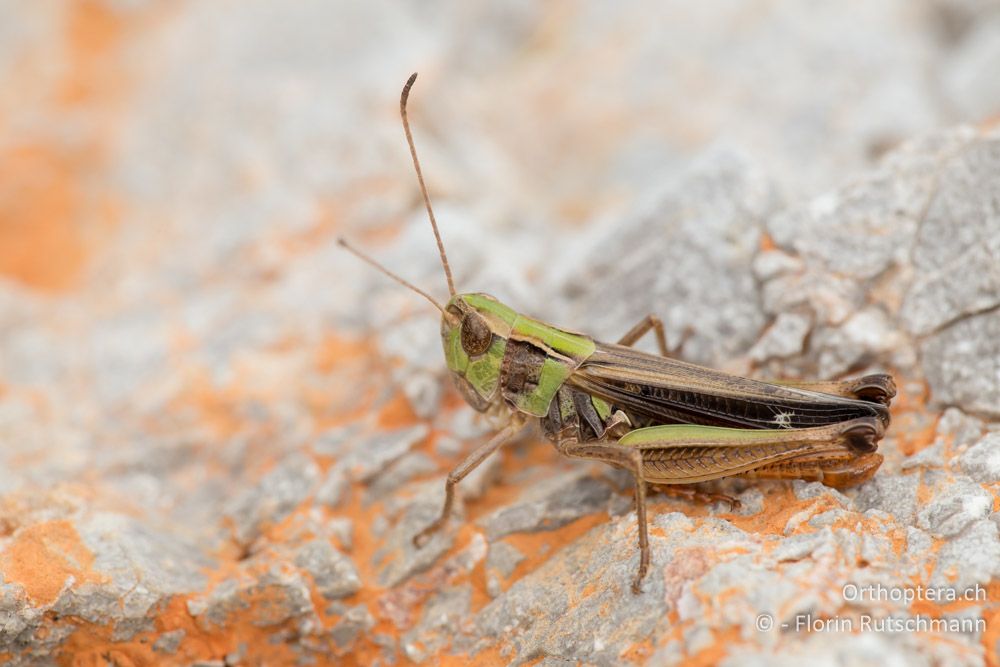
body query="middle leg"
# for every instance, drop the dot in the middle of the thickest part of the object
(639, 330)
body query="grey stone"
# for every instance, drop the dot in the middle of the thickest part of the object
(955, 431)
(336, 442)
(931, 456)
(797, 547)
(501, 560)
(331, 490)
(830, 298)
(796, 520)
(845, 648)
(478, 482)
(957, 251)
(784, 338)
(844, 543)
(962, 363)
(216, 607)
(286, 591)
(369, 456)
(858, 231)
(877, 550)
(704, 225)
(959, 428)
(809, 490)
(751, 502)
(235, 658)
(464, 424)
(389, 648)
(415, 340)
(698, 638)
(535, 616)
(971, 558)
(143, 567)
(865, 335)
(355, 621)
(19, 620)
(399, 559)
(342, 529)
(423, 389)
(277, 494)
(444, 614)
(168, 642)
(828, 518)
(673, 521)
(772, 263)
(918, 544)
(549, 505)
(967, 69)
(981, 462)
(407, 467)
(448, 446)
(895, 494)
(334, 574)
(960, 504)
(770, 591)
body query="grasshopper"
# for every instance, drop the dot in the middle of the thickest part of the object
(666, 421)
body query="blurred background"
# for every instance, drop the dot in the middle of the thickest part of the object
(127, 124)
(175, 316)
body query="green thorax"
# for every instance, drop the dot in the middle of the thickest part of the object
(528, 359)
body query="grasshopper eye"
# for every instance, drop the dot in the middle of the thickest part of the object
(476, 335)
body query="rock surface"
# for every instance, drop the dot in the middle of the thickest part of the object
(219, 433)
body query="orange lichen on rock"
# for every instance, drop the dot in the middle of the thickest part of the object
(40, 240)
(50, 212)
(781, 505)
(44, 557)
(397, 413)
(540, 546)
(766, 243)
(913, 427)
(335, 350)
(93, 644)
(92, 33)
(725, 640)
(991, 638)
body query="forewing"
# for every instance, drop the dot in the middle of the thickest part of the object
(668, 391)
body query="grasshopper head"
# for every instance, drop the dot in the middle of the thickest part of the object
(474, 332)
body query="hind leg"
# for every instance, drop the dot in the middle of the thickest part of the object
(629, 459)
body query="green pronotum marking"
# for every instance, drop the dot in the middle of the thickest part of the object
(552, 376)
(574, 346)
(568, 351)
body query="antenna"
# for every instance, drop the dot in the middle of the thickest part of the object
(423, 188)
(357, 253)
